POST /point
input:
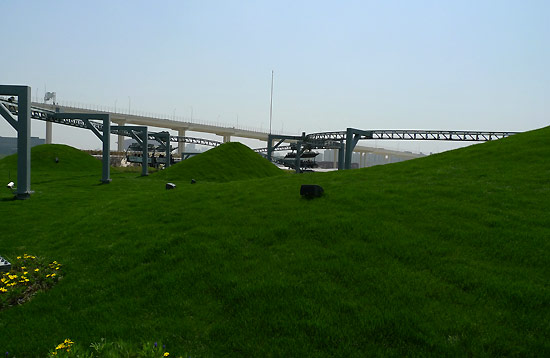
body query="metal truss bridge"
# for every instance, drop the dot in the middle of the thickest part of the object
(346, 141)
(392, 134)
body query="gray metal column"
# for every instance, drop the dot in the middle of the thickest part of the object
(106, 175)
(349, 148)
(23, 143)
(145, 152)
(298, 156)
(23, 128)
(269, 146)
(341, 153)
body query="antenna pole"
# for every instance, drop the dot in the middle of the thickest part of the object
(271, 103)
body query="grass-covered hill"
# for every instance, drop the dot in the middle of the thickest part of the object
(70, 162)
(447, 255)
(227, 162)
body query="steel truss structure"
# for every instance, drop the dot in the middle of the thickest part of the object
(391, 134)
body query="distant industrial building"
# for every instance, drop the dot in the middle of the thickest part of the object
(8, 145)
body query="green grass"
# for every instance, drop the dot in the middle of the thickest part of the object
(446, 255)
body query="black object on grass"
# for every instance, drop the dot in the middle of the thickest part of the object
(311, 191)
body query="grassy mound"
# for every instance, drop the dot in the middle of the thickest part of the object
(446, 255)
(71, 161)
(228, 162)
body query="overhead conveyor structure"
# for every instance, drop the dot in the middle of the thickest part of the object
(18, 112)
(346, 141)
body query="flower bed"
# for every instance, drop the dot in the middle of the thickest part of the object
(28, 275)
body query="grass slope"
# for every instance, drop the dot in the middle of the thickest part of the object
(446, 255)
(227, 162)
(71, 162)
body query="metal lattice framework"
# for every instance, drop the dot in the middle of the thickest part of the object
(201, 141)
(392, 134)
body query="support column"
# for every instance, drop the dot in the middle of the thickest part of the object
(297, 159)
(23, 143)
(335, 158)
(23, 128)
(181, 145)
(120, 143)
(49, 126)
(105, 178)
(226, 138)
(145, 152)
(269, 147)
(341, 155)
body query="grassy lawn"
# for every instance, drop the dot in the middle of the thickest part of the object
(446, 255)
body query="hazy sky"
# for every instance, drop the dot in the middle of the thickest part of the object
(462, 65)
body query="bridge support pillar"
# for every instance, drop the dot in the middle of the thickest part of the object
(226, 138)
(181, 145)
(120, 143)
(49, 126)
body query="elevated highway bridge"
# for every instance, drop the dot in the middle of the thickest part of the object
(181, 127)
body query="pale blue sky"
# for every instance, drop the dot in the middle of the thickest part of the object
(464, 65)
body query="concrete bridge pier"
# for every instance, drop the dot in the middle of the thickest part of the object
(181, 145)
(120, 143)
(226, 138)
(49, 132)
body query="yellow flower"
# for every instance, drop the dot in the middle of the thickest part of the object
(19, 257)
(25, 272)
(2, 289)
(68, 341)
(166, 354)
(37, 270)
(53, 274)
(23, 267)
(60, 346)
